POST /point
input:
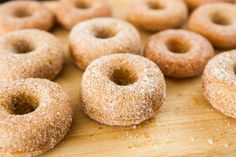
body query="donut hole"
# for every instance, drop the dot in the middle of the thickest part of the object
(220, 19)
(104, 32)
(178, 46)
(155, 5)
(124, 76)
(23, 104)
(22, 13)
(22, 46)
(81, 4)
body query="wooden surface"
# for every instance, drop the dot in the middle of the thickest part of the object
(186, 124)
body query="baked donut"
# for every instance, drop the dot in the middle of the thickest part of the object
(101, 36)
(196, 3)
(219, 83)
(71, 12)
(17, 15)
(159, 14)
(179, 53)
(217, 22)
(122, 89)
(30, 53)
(35, 114)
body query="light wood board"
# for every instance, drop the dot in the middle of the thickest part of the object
(186, 125)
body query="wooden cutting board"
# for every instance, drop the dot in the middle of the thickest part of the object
(186, 125)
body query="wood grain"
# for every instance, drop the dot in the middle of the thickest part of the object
(186, 124)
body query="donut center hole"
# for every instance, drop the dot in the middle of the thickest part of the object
(178, 46)
(23, 104)
(21, 13)
(123, 76)
(81, 5)
(104, 33)
(22, 46)
(220, 19)
(155, 5)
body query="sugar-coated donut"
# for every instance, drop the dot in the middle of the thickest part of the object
(196, 3)
(24, 14)
(30, 53)
(179, 53)
(122, 89)
(101, 36)
(219, 83)
(158, 15)
(71, 12)
(217, 22)
(35, 114)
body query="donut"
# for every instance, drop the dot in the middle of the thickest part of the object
(94, 38)
(196, 3)
(219, 83)
(122, 89)
(24, 14)
(158, 15)
(71, 12)
(35, 114)
(30, 53)
(179, 53)
(217, 22)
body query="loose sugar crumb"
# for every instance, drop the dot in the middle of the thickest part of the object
(192, 139)
(210, 141)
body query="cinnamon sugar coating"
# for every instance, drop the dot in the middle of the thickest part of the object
(179, 53)
(196, 3)
(71, 12)
(217, 22)
(219, 83)
(122, 89)
(94, 38)
(159, 14)
(24, 14)
(35, 114)
(30, 53)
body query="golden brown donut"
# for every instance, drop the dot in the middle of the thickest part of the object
(219, 83)
(17, 15)
(71, 12)
(158, 15)
(35, 114)
(179, 53)
(94, 38)
(122, 89)
(196, 3)
(217, 22)
(30, 53)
